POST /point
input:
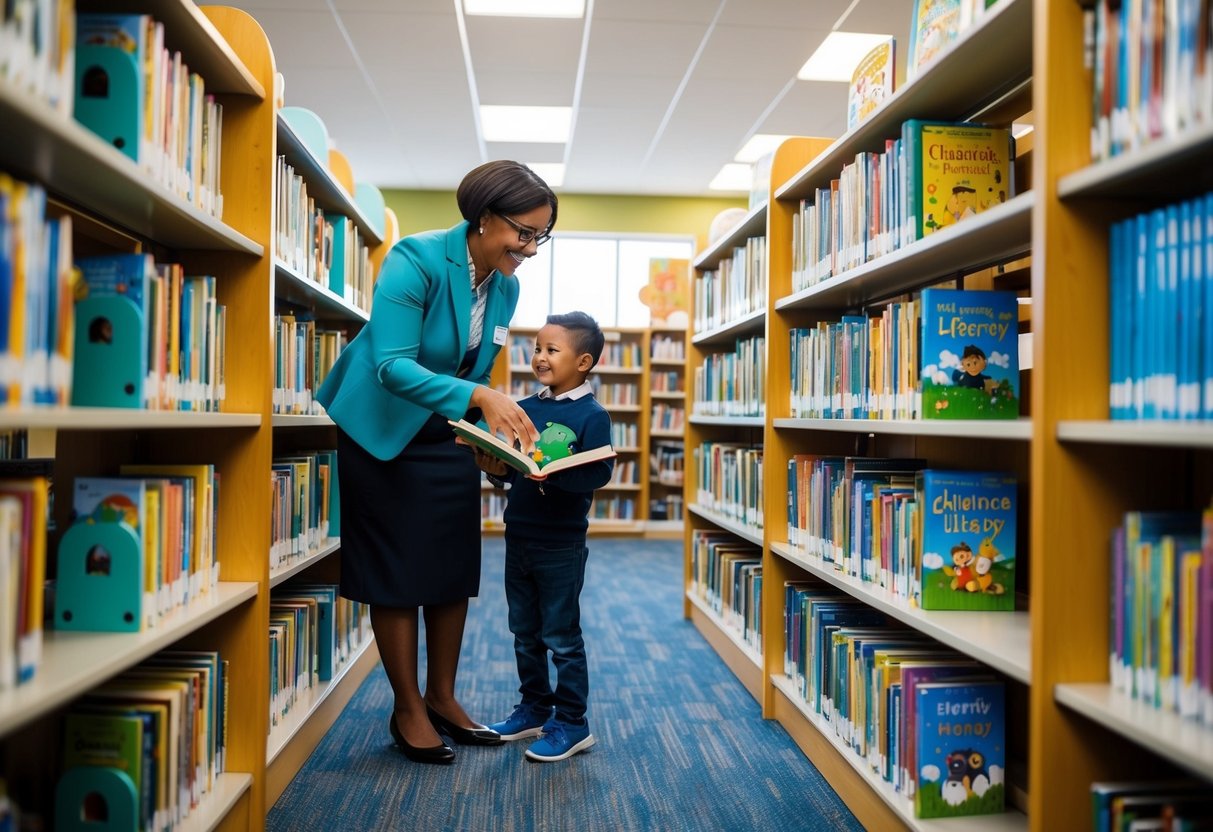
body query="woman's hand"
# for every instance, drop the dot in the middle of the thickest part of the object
(505, 418)
(490, 464)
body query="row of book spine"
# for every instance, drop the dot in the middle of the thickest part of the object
(1161, 313)
(923, 718)
(1152, 71)
(37, 298)
(615, 393)
(732, 383)
(665, 348)
(613, 508)
(625, 473)
(735, 288)
(667, 417)
(727, 576)
(306, 505)
(38, 42)
(304, 353)
(23, 529)
(625, 434)
(730, 481)
(666, 382)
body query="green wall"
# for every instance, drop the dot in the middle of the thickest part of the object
(691, 216)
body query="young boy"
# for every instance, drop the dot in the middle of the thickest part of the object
(545, 548)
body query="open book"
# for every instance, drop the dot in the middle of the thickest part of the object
(516, 459)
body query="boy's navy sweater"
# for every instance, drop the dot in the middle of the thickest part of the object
(558, 512)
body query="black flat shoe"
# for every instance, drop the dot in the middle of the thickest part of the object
(480, 735)
(441, 754)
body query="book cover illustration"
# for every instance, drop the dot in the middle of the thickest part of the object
(934, 25)
(967, 539)
(961, 749)
(970, 354)
(872, 82)
(956, 171)
(556, 449)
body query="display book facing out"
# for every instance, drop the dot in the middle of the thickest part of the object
(553, 452)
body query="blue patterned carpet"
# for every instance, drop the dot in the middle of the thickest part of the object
(681, 744)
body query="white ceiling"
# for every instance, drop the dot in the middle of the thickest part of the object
(664, 92)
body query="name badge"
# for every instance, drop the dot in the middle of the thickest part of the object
(499, 334)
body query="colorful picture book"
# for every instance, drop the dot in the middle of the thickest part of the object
(954, 171)
(934, 25)
(546, 459)
(961, 749)
(967, 539)
(970, 354)
(872, 83)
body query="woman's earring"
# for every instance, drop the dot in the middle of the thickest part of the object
(482, 229)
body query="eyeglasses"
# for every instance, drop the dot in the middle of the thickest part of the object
(525, 235)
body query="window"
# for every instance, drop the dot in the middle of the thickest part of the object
(596, 273)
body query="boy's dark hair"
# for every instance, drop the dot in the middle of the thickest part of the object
(587, 335)
(973, 349)
(503, 187)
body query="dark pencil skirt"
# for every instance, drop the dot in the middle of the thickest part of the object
(410, 527)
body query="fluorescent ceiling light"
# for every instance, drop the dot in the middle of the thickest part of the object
(838, 55)
(500, 123)
(759, 145)
(550, 172)
(733, 177)
(525, 8)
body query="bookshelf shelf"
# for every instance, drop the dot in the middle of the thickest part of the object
(74, 662)
(985, 63)
(622, 486)
(999, 639)
(307, 705)
(607, 369)
(116, 418)
(1017, 430)
(1177, 434)
(667, 362)
(747, 533)
(751, 323)
(228, 788)
(994, 236)
(754, 223)
(321, 184)
(731, 421)
(666, 434)
(202, 48)
(1006, 822)
(295, 288)
(287, 572)
(742, 658)
(39, 143)
(1149, 171)
(289, 420)
(668, 396)
(1179, 741)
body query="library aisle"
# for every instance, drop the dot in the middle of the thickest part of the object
(681, 743)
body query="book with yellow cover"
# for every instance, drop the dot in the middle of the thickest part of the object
(954, 172)
(540, 464)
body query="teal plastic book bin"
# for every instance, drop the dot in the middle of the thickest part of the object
(108, 368)
(109, 97)
(100, 579)
(96, 799)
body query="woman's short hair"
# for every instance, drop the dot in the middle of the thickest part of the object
(503, 187)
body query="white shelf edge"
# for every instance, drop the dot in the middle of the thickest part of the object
(755, 321)
(1107, 175)
(753, 224)
(120, 418)
(75, 662)
(1133, 432)
(998, 639)
(312, 290)
(226, 791)
(1008, 821)
(735, 421)
(1008, 429)
(291, 420)
(746, 533)
(281, 735)
(1180, 741)
(327, 548)
(733, 636)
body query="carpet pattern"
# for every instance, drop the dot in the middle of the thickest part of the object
(681, 743)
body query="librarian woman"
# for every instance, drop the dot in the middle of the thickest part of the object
(410, 497)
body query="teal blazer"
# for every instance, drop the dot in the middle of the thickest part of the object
(401, 367)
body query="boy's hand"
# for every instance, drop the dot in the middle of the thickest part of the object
(490, 464)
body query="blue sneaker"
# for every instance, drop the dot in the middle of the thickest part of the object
(560, 741)
(525, 721)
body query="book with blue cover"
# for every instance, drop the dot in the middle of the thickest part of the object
(970, 354)
(961, 749)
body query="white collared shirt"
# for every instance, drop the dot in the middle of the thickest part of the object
(583, 389)
(480, 296)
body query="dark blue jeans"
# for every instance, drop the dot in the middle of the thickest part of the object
(543, 583)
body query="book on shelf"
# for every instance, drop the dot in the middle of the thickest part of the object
(970, 354)
(872, 83)
(540, 464)
(967, 541)
(961, 756)
(954, 171)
